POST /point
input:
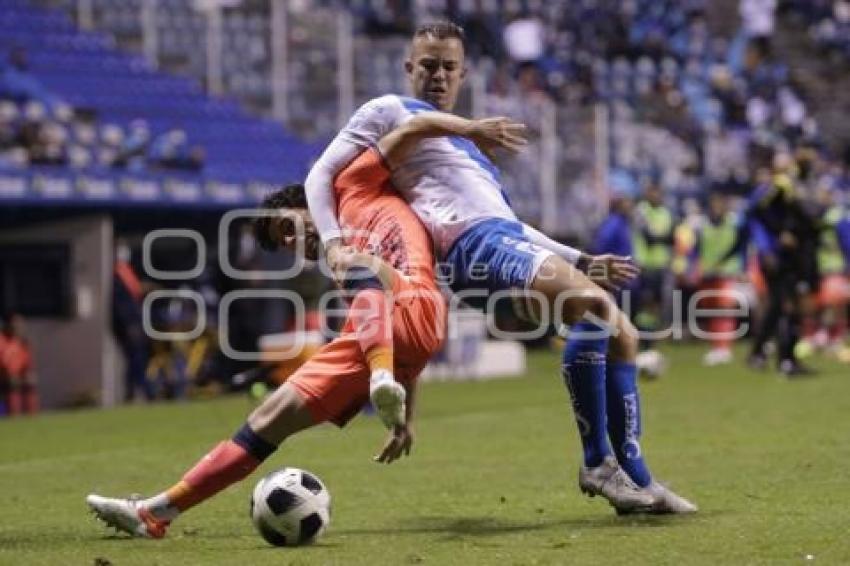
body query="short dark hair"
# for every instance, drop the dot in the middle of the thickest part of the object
(291, 196)
(441, 30)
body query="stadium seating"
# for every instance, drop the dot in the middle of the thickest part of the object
(87, 72)
(665, 77)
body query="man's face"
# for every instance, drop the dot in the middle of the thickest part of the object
(295, 231)
(436, 70)
(654, 196)
(717, 206)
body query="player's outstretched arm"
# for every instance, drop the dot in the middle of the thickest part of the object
(608, 271)
(488, 133)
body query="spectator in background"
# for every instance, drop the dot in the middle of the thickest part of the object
(18, 84)
(111, 142)
(826, 326)
(134, 148)
(714, 237)
(8, 133)
(17, 374)
(11, 153)
(171, 150)
(127, 325)
(785, 237)
(614, 236)
(50, 145)
(759, 20)
(653, 253)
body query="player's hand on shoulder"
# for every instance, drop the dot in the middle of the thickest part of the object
(398, 444)
(498, 133)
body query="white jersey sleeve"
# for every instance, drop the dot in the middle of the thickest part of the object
(374, 120)
(366, 127)
(570, 254)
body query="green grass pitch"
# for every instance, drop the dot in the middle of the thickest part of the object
(492, 478)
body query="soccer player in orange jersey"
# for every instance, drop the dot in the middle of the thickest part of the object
(395, 323)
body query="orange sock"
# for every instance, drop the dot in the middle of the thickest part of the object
(223, 466)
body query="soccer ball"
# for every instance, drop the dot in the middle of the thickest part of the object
(290, 507)
(651, 364)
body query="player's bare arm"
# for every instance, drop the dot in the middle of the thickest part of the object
(487, 133)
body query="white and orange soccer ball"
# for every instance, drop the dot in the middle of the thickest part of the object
(290, 507)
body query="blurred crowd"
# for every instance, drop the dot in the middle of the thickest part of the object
(184, 355)
(38, 128)
(777, 259)
(828, 23)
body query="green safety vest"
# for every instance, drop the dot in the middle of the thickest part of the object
(830, 258)
(715, 242)
(659, 221)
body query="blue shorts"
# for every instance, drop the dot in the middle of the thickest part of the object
(493, 255)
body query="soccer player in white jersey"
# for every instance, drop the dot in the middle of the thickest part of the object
(456, 191)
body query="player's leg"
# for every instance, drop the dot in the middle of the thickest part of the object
(332, 386)
(282, 414)
(14, 395)
(495, 255)
(769, 320)
(624, 422)
(370, 322)
(721, 328)
(604, 391)
(599, 371)
(794, 305)
(29, 394)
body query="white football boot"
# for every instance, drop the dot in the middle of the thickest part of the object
(388, 397)
(666, 502)
(717, 357)
(610, 481)
(127, 515)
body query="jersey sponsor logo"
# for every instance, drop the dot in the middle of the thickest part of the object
(631, 446)
(590, 358)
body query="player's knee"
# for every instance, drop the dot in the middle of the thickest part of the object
(593, 304)
(281, 415)
(623, 346)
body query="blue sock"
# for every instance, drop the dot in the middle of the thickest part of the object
(624, 420)
(584, 375)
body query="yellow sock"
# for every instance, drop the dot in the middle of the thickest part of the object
(380, 358)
